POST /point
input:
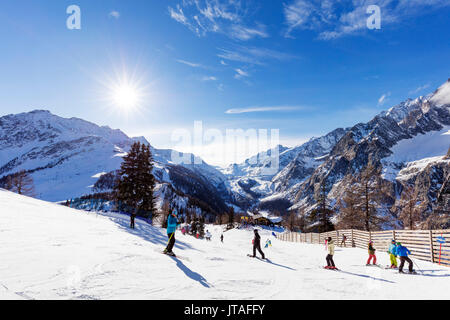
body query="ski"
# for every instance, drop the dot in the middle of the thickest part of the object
(335, 269)
(176, 257)
(250, 256)
(375, 265)
(173, 256)
(410, 273)
(390, 268)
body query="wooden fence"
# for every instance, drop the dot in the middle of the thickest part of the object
(423, 244)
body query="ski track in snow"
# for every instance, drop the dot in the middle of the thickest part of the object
(53, 252)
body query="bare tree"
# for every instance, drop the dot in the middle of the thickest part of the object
(362, 201)
(21, 183)
(410, 208)
(291, 221)
(350, 209)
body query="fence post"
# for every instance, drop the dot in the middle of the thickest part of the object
(337, 237)
(311, 237)
(353, 240)
(431, 246)
(393, 235)
(370, 236)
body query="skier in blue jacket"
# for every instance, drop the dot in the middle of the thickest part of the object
(403, 253)
(172, 222)
(392, 251)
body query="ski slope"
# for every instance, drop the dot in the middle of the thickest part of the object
(52, 252)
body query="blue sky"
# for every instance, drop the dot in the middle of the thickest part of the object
(302, 66)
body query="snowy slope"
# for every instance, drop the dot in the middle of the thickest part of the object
(410, 156)
(53, 252)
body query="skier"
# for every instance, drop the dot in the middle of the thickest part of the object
(372, 254)
(330, 262)
(257, 244)
(132, 218)
(221, 238)
(403, 253)
(208, 235)
(268, 243)
(172, 222)
(344, 238)
(392, 251)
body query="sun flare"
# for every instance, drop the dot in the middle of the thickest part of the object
(126, 97)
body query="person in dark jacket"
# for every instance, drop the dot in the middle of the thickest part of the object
(132, 218)
(221, 238)
(403, 253)
(257, 245)
(172, 222)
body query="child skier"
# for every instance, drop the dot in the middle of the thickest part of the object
(392, 251)
(330, 262)
(257, 245)
(172, 222)
(221, 238)
(208, 236)
(403, 253)
(372, 254)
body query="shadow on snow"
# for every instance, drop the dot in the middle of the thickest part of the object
(191, 274)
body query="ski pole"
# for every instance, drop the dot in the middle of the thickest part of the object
(417, 266)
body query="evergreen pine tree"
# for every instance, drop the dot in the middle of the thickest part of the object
(136, 182)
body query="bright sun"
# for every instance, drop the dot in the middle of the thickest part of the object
(126, 97)
(124, 93)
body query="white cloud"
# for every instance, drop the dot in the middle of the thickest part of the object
(253, 55)
(240, 73)
(333, 19)
(244, 33)
(114, 14)
(178, 15)
(419, 89)
(209, 78)
(384, 98)
(263, 109)
(191, 64)
(218, 16)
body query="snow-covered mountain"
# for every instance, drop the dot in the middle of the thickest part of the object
(67, 156)
(409, 142)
